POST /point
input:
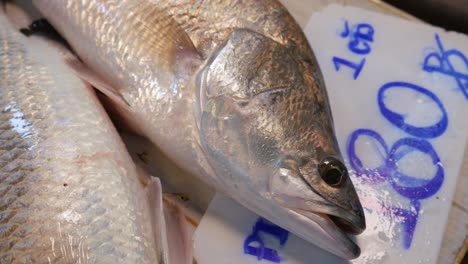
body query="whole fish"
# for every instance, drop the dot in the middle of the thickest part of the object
(69, 192)
(231, 91)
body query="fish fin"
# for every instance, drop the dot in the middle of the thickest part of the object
(91, 77)
(116, 105)
(179, 237)
(16, 14)
(166, 44)
(167, 40)
(171, 229)
(154, 193)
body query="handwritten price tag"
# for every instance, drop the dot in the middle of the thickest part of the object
(399, 97)
(398, 92)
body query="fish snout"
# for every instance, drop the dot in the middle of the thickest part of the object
(353, 223)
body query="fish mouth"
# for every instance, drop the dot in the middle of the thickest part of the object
(351, 222)
(337, 230)
(337, 222)
(348, 221)
(345, 225)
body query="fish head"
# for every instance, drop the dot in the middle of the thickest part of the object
(266, 125)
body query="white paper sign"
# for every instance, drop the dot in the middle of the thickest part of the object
(225, 227)
(399, 97)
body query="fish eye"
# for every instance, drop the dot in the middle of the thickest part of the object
(332, 171)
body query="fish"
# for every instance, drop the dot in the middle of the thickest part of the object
(229, 90)
(69, 191)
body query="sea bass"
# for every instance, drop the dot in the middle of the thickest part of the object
(231, 91)
(69, 192)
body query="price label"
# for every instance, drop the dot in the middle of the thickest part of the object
(398, 92)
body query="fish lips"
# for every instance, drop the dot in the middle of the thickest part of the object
(333, 231)
(352, 222)
(335, 221)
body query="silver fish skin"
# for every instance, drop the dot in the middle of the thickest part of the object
(69, 192)
(231, 91)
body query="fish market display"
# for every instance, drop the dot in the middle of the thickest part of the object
(69, 192)
(231, 91)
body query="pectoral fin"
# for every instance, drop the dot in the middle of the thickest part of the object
(95, 80)
(163, 42)
(179, 237)
(154, 193)
(170, 227)
(164, 34)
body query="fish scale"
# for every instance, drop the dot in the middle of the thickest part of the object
(69, 192)
(230, 91)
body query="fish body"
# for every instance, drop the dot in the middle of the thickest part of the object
(231, 91)
(69, 192)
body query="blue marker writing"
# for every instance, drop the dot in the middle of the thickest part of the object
(439, 61)
(399, 121)
(360, 36)
(413, 188)
(357, 67)
(359, 43)
(260, 250)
